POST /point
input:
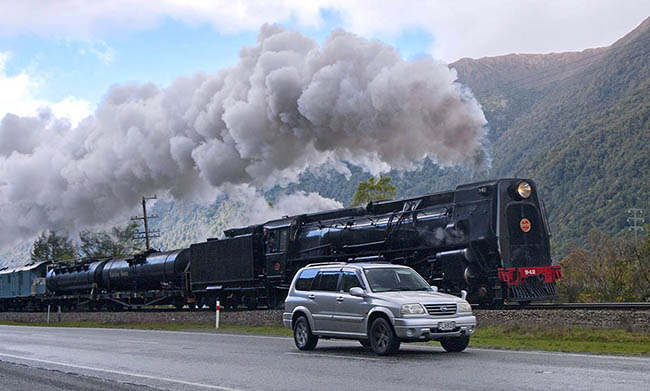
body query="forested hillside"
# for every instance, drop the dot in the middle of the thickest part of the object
(577, 123)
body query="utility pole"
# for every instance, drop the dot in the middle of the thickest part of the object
(635, 221)
(146, 234)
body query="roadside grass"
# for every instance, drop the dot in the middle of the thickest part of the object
(231, 328)
(562, 339)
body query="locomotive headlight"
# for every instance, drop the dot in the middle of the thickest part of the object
(412, 309)
(464, 306)
(524, 189)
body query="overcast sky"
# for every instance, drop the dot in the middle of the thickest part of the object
(66, 53)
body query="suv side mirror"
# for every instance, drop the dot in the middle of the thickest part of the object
(358, 292)
(434, 288)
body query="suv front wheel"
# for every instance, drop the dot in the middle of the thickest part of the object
(455, 344)
(383, 340)
(303, 336)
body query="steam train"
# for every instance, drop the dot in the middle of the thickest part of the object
(489, 238)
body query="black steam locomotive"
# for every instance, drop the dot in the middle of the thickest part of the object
(489, 238)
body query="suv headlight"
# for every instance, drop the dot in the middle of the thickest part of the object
(412, 309)
(464, 306)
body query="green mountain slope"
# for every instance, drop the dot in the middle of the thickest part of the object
(579, 125)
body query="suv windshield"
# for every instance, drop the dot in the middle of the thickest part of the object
(395, 279)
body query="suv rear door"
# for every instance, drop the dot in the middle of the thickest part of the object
(323, 299)
(349, 310)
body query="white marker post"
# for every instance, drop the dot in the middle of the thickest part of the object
(48, 314)
(216, 322)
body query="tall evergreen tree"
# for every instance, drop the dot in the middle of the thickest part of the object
(50, 246)
(374, 190)
(119, 242)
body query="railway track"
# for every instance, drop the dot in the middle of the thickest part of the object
(571, 306)
(509, 307)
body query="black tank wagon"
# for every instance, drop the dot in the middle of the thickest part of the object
(489, 238)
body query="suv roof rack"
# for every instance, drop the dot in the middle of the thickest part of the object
(326, 264)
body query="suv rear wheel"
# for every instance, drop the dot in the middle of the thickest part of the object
(383, 340)
(303, 336)
(455, 344)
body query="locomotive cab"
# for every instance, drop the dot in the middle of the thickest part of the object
(276, 246)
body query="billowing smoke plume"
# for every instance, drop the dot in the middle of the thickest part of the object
(258, 209)
(287, 106)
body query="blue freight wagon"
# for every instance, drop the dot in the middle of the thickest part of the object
(22, 282)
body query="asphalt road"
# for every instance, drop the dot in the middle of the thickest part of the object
(16, 377)
(204, 361)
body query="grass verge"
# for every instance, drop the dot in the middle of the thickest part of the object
(263, 330)
(574, 339)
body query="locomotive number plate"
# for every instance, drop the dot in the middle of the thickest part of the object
(446, 326)
(525, 225)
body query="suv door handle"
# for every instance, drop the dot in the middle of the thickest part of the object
(339, 299)
(312, 296)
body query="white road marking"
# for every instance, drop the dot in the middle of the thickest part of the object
(122, 373)
(138, 341)
(334, 356)
(37, 335)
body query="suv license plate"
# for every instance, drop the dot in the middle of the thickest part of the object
(446, 326)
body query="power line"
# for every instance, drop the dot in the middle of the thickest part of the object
(147, 234)
(635, 220)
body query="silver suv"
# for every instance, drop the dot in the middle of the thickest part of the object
(381, 305)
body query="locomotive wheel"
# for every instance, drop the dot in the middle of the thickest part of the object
(201, 301)
(455, 344)
(275, 301)
(383, 340)
(303, 336)
(251, 302)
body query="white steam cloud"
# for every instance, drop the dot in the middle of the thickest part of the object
(287, 106)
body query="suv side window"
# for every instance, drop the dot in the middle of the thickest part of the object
(327, 281)
(306, 279)
(350, 280)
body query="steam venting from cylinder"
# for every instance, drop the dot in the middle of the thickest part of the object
(288, 105)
